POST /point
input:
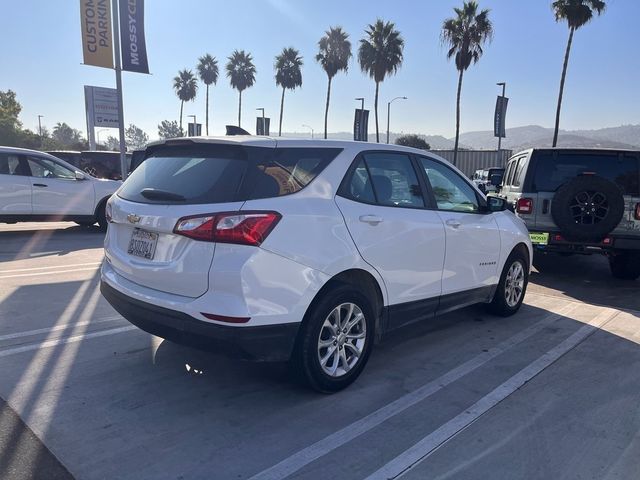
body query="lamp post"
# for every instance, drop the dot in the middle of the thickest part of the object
(389, 113)
(264, 129)
(195, 125)
(504, 86)
(40, 126)
(310, 128)
(361, 99)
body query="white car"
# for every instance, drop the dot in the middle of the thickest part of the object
(304, 250)
(37, 187)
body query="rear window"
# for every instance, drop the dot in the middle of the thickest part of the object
(220, 173)
(552, 171)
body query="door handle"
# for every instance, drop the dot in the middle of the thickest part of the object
(453, 223)
(39, 185)
(370, 219)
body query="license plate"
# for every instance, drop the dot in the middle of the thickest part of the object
(539, 238)
(143, 243)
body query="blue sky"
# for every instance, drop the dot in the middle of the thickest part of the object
(42, 54)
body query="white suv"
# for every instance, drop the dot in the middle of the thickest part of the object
(302, 250)
(37, 187)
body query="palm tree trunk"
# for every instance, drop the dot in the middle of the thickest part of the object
(239, 106)
(207, 114)
(326, 110)
(181, 105)
(375, 106)
(562, 78)
(455, 148)
(281, 109)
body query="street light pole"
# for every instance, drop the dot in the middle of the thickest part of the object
(503, 85)
(264, 127)
(389, 113)
(40, 126)
(195, 125)
(309, 127)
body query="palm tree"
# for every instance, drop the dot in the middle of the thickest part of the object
(465, 34)
(577, 13)
(333, 55)
(380, 54)
(242, 74)
(186, 86)
(288, 74)
(208, 71)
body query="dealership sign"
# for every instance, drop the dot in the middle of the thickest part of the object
(95, 20)
(133, 45)
(102, 106)
(499, 117)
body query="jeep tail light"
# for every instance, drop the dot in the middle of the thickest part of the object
(636, 214)
(524, 205)
(243, 228)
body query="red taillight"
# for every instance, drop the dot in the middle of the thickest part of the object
(636, 214)
(558, 238)
(524, 205)
(244, 228)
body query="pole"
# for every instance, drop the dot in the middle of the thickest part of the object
(388, 116)
(40, 126)
(116, 44)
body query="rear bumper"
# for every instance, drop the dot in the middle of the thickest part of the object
(261, 343)
(562, 246)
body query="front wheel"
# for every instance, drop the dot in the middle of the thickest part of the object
(625, 265)
(336, 340)
(512, 286)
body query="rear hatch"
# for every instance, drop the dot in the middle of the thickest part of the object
(175, 181)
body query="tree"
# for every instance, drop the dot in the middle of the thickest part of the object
(169, 129)
(413, 140)
(288, 75)
(10, 109)
(576, 13)
(465, 34)
(208, 71)
(380, 54)
(65, 135)
(334, 52)
(112, 143)
(135, 138)
(242, 75)
(186, 87)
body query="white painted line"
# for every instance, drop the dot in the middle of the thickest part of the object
(64, 341)
(322, 447)
(420, 451)
(17, 270)
(38, 331)
(56, 272)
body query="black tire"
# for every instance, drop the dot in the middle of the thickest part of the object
(500, 305)
(625, 265)
(587, 208)
(101, 217)
(86, 224)
(305, 359)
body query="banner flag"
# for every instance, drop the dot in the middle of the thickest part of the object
(499, 117)
(262, 129)
(361, 125)
(194, 130)
(95, 23)
(132, 42)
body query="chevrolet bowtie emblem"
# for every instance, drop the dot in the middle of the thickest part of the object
(133, 218)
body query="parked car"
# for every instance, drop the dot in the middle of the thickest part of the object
(99, 164)
(36, 187)
(579, 201)
(304, 250)
(488, 179)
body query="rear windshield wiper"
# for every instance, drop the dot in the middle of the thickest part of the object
(153, 194)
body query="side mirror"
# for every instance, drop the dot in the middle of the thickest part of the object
(496, 204)
(80, 175)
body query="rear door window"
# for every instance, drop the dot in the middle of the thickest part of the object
(554, 170)
(9, 164)
(394, 180)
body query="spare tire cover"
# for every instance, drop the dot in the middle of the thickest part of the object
(587, 208)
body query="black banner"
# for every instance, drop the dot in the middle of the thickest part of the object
(194, 132)
(499, 117)
(361, 126)
(262, 129)
(133, 45)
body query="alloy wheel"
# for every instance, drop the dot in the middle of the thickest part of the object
(342, 339)
(514, 284)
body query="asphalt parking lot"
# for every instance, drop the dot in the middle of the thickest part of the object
(551, 393)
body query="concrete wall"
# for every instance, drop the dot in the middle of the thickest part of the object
(471, 160)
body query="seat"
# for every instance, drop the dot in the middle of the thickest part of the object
(383, 188)
(22, 169)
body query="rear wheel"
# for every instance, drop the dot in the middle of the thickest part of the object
(335, 341)
(625, 265)
(512, 286)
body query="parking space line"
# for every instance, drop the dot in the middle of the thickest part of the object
(54, 272)
(2, 272)
(38, 331)
(64, 341)
(322, 447)
(412, 457)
